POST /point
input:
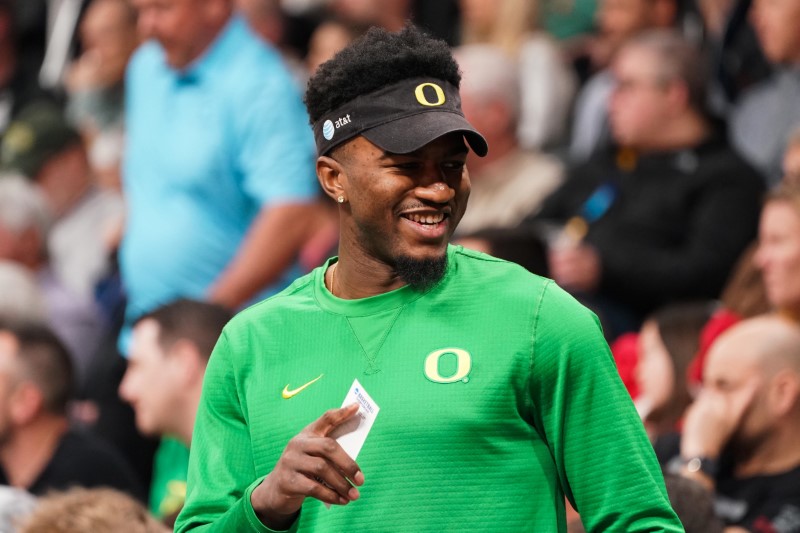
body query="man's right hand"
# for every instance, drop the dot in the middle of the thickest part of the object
(312, 464)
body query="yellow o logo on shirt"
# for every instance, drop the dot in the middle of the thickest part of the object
(422, 99)
(463, 366)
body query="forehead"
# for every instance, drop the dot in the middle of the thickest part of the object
(635, 61)
(733, 357)
(780, 215)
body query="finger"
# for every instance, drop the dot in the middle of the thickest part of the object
(302, 485)
(329, 450)
(324, 472)
(331, 420)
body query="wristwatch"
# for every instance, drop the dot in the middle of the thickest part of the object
(704, 465)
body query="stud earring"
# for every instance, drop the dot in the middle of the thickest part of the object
(340, 199)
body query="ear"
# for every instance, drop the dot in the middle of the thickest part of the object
(785, 392)
(189, 365)
(26, 403)
(332, 177)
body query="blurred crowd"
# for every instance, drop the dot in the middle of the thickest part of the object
(157, 175)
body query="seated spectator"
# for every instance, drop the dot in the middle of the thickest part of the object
(693, 505)
(546, 83)
(170, 347)
(778, 254)
(95, 84)
(740, 435)
(24, 227)
(663, 216)
(44, 148)
(509, 182)
(328, 38)
(736, 57)
(82, 510)
(39, 451)
(767, 113)
(618, 21)
(668, 342)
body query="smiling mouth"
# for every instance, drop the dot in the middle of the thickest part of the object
(426, 220)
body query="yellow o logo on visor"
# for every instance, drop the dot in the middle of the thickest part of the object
(422, 99)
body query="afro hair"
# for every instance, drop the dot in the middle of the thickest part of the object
(377, 59)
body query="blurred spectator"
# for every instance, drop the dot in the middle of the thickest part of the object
(169, 351)
(509, 182)
(95, 84)
(618, 21)
(267, 20)
(21, 299)
(389, 14)
(740, 435)
(766, 114)
(791, 159)
(80, 510)
(736, 56)
(546, 82)
(328, 38)
(219, 169)
(568, 20)
(43, 147)
(663, 216)
(778, 254)
(24, 226)
(668, 343)
(693, 504)
(15, 505)
(38, 450)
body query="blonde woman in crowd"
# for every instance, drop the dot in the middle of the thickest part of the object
(547, 82)
(778, 254)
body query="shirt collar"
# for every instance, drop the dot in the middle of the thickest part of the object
(219, 52)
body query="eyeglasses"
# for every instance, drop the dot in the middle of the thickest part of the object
(623, 85)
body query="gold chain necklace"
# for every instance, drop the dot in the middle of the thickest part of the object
(333, 276)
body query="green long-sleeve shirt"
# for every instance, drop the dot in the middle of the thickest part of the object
(519, 405)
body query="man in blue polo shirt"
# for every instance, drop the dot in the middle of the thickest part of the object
(219, 171)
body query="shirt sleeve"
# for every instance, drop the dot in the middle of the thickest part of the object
(221, 470)
(605, 462)
(276, 147)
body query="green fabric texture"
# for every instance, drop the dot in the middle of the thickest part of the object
(539, 414)
(168, 486)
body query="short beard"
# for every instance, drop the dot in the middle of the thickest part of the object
(421, 274)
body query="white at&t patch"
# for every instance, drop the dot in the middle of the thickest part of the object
(328, 130)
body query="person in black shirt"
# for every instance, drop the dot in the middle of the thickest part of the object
(740, 435)
(38, 449)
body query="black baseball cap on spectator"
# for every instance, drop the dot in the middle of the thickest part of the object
(39, 132)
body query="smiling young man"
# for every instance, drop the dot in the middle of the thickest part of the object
(493, 392)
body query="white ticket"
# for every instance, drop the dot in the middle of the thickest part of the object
(352, 434)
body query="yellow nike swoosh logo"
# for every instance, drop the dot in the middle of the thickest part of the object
(290, 393)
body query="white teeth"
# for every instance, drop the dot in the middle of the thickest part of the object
(426, 219)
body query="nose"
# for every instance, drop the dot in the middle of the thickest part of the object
(123, 390)
(438, 192)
